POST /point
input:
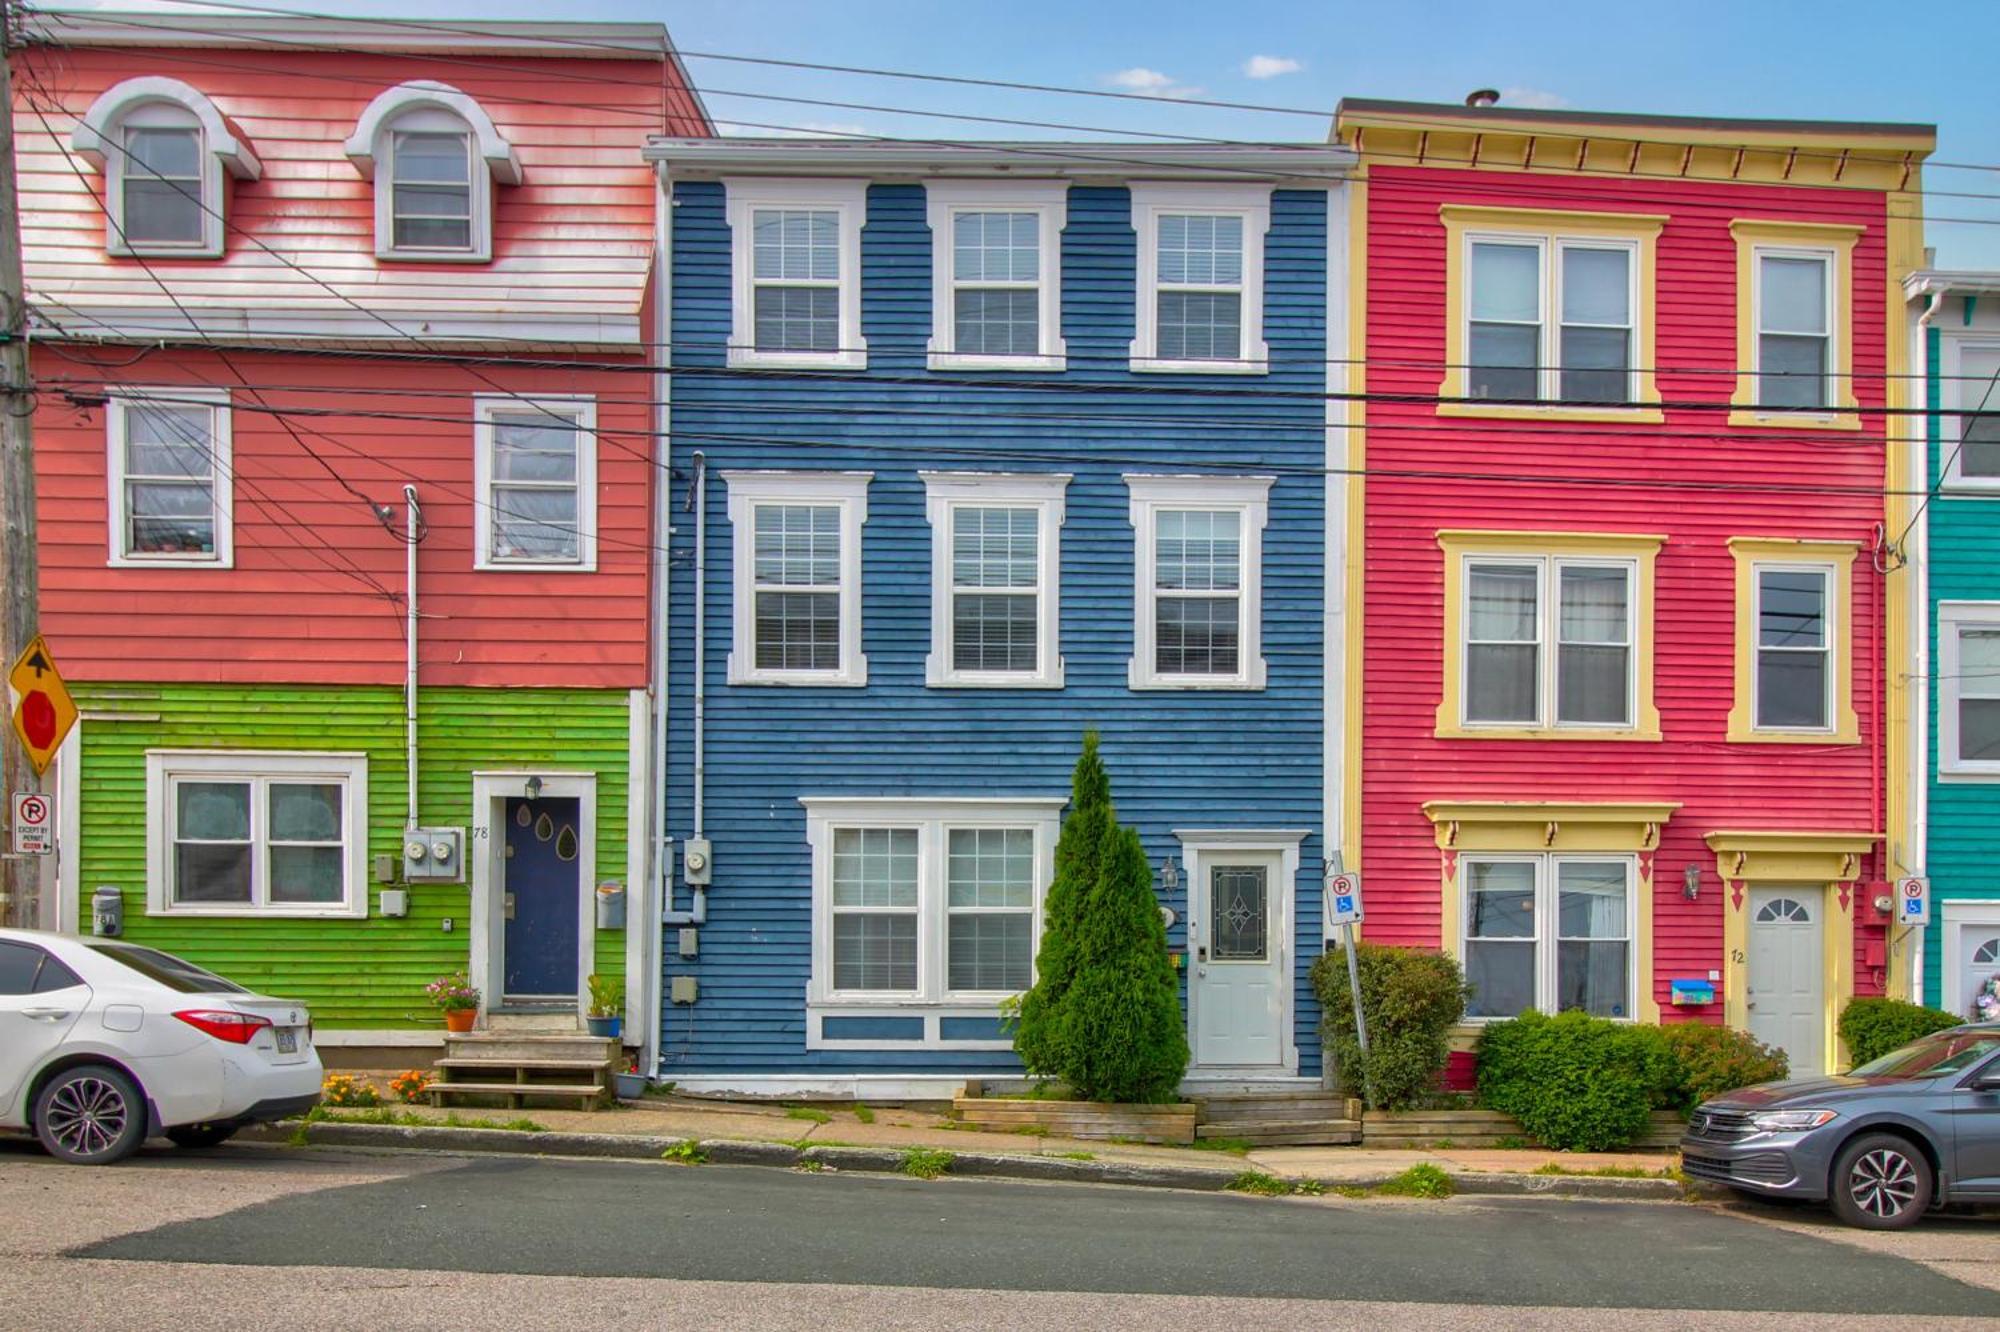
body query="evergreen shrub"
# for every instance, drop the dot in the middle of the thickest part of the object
(1411, 998)
(1576, 1082)
(1875, 1027)
(1709, 1061)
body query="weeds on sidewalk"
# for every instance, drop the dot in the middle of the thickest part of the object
(808, 1166)
(1270, 1186)
(1423, 1180)
(925, 1162)
(1602, 1172)
(808, 1112)
(1234, 1146)
(687, 1151)
(863, 1113)
(1074, 1156)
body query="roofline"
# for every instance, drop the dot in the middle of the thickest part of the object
(1724, 131)
(877, 158)
(579, 41)
(1943, 282)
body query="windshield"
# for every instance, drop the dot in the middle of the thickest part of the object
(1934, 1056)
(167, 969)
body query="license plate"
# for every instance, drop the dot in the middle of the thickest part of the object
(288, 1040)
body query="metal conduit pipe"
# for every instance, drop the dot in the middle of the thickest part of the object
(413, 517)
(698, 497)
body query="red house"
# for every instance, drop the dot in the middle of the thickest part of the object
(1620, 729)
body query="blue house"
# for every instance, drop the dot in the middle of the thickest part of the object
(1958, 537)
(973, 449)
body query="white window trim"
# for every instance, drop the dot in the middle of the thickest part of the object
(584, 409)
(1049, 202)
(1252, 203)
(1548, 588)
(932, 817)
(1548, 922)
(848, 490)
(99, 139)
(1249, 496)
(1959, 915)
(164, 766)
(1549, 247)
(1835, 646)
(1951, 617)
(118, 402)
(426, 104)
(1956, 395)
(1829, 260)
(944, 494)
(848, 198)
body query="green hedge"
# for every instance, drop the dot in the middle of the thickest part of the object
(1712, 1060)
(1411, 999)
(1574, 1081)
(1874, 1027)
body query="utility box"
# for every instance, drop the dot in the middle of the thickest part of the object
(682, 989)
(434, 855)
(395, 903)
(697, 862)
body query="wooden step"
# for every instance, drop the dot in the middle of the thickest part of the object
(1334, 1109)
(514, 1093)
(1284, 1132)
(506, 1065)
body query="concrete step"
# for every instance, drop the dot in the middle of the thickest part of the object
(549, 1065)
(558, 1023)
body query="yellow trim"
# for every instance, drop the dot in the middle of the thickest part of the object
(1549, 225)
(1641, 549)
(1824, 861)
(1357, 455)
(1901, 612)
(1839, 241)
(1839, 556)
(1470, 827)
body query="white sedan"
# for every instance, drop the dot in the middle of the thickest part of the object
(104, 1044)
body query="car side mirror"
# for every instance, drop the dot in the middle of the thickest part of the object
(1987, 1082)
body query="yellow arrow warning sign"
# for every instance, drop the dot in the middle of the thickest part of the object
(43, 710)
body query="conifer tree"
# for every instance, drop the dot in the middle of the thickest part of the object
(1084, 834)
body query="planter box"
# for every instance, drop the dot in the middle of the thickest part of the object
(1483, 1128)
(1080, 1119)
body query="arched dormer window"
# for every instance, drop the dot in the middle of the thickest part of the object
(433, 154)
(163, 148)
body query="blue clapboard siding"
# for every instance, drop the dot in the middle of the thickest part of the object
(1197, 759)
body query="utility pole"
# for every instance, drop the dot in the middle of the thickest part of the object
(19, 574)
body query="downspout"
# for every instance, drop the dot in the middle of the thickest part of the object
(1917, 857)
(413, 517)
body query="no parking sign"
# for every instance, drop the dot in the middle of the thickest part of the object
(34, 823)
(1913, 901)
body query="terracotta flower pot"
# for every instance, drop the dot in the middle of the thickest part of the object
(460, 1019)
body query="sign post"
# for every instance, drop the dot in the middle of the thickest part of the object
(1343, 909)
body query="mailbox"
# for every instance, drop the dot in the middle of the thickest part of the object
(1690, 993)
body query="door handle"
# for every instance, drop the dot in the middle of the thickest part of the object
(507, 905)
(45, 1014)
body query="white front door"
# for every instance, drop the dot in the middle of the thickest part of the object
(1787, 998)
(1979, 962)
(1237, 991)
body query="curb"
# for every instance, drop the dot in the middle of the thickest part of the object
(888, 1160)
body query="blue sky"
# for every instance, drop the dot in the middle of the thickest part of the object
(1799, 59)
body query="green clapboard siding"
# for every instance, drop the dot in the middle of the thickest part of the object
(354, 973)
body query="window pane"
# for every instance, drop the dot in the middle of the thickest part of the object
(1198, 551)
(1594, 605)
(798, 631)
(170, 518)
(1502, 976)
(212, 811)
(210, 872)
(991, 867)
(874, 952)
(796, 244)
(1596, 285)
(1591, 976)
(1503, 362)
(1793, 298)
(432, 233)
(1791, 689)
(997, 323)
(436, 159)
(1592, 685)
(1590, 899)
(1502, 599)
(875, 867)
(1979, 661)
(162, 211)
(174, 154)
(433, 201)
(994, 547)
(307, 874)
(1239, 913)
(535, 524)
(1500, 900)
(1977, 394)
(993, 632)
(1793, 371)
(1500, 684)
(534, 446)
(1596, 364)
(1196, 636)
(1200, 326)
(169, 441)
(1791, 608)
(996, 247)
(798, 545)
(1979, 729)
(797, 319)
(305, 811)
(1201, 251)
(990, 952)
(1506, 283)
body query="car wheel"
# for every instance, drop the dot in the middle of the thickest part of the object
(1881, 1182)
(201, 1135)
(90, 1116)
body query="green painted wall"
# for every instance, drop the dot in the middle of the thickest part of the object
(354, 973)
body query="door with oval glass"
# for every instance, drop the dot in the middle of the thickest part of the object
(540, 902)
(1237, 990)
(1787, 989)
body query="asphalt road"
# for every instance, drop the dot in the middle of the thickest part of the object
(227, 1238)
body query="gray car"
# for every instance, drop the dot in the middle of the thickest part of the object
(1882, 1145)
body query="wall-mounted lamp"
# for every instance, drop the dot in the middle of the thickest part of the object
(1691, 882)
(534, 787)
(1170, 875)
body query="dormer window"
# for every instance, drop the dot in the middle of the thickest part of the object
(163, 148)
(434, 155)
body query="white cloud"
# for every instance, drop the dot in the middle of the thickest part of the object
(1151, 82)
(1270, 67)
(1533, 99)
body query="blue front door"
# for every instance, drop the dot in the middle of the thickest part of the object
(542, 899)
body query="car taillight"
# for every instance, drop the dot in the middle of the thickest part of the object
(225, 1024)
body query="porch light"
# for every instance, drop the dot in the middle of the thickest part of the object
(533, 786)
(1170, 875)
(1691, 882)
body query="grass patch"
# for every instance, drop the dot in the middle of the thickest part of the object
(1259, 1183)
(1349, 1191)
(1234, 1146)
(810, 1113)
(1513, 1142)
(1601, 1172)
(1075, 1156)
(1123, 1141)
(925, 1162)
(1031, 1130)
(298, 1138)
(685, 1152)
(657, 1091)
(383, 1114)
(1045, 1091)
(863, 1113)
(1308, 1188)
(1419, 1181)
(809, 1166)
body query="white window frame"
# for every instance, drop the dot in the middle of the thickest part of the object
(1831, 615)
(427, 106)
(166, 767)
(944, 200)
(849, 492)
(164, 103)
(1548, 645)
(1549, 248)
(1548, 923)
(933, 818)
(945, 493)
(486, 407)
(118, 403)
(745, 196)
(1829, 261)
(1252, 203)
(1952, 617)
(1248, 496)
(1958, 394)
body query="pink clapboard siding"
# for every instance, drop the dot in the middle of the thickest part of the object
(1719, 785)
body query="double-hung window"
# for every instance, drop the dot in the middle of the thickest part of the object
(1972, 434)
(431, 190)
(1792, 641)
(1549, 932)
(996, 578)
(1794, 307)
(165, 151)
(1548, 635)
(930, 907)
(536, 482)
(435, 157)
(162, 191)
(1969, 688)
(796, 258)
(797, 587)
(1794, 314)
(170, 475)
(1198, 581)
(256, 833)
(1201, 277)
(996, 265)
